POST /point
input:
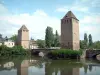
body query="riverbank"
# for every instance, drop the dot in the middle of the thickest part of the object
(64, 54)
(16, 50)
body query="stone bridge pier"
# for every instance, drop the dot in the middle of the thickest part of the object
(92, 53)
(42, 51)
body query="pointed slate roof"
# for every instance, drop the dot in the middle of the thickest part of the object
(70, 15)
(23, 28)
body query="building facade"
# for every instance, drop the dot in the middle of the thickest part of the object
(6, 41)
(23, 37)
(33, 44)
(9, 43)
(70, 32)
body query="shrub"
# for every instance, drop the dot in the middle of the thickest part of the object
(63, 53)
(16, 50)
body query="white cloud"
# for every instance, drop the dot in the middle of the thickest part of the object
(91, 19)
(90, 25)
(74, 8)
(36, 23)
(39, 20)
(62, 9)
(3, 10)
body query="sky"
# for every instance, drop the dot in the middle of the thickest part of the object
(38, 14)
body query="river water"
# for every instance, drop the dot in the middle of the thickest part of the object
(41, 66)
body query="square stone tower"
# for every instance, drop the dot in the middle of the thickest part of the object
(23, 37)
(70, 32)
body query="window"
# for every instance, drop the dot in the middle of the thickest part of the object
(68, 43)
(24, 30)
(62, 21)
(67, 21)
(70, 20)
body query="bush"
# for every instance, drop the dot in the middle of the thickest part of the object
(16, 50)
(63, 53)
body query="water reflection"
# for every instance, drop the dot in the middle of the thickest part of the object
(39, 66)
(62, 68)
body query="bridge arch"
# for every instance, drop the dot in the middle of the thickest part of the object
(92, 53)
(94, 56)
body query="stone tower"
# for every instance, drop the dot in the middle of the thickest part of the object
(23, 37)
(70, 32)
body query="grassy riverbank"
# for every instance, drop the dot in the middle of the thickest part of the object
(16, 50)
(64, 54)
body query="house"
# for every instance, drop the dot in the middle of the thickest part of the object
(33, 44)
(9, 43)
(6, 41)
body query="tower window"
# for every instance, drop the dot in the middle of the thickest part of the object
(62, 21)
(70, 20)
(67, 21)
(76, 22)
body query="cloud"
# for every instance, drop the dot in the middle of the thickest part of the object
(94, 19)
(39, 20)
(95, 3)
(74, 8)
(36, 23)
(89, 21)
(90, 25)
(3, 10)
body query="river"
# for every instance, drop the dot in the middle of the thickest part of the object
(41, 66)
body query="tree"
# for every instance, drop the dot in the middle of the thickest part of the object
(41, 43)
(90, 40)
(49, 37)
(96, 45)
(85, 39)
(82, 44)
(6, 38)
(0, 36)
(13, 37)
(56, 40)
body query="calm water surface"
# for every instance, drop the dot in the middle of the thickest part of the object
(40, 66)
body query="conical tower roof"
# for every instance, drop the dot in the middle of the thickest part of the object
(23, 28)
(70, 15)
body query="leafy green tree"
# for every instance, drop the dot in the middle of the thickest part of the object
(41, 43)
(86, 40)
(13, 37)
(56, 40)
(96, 45)
(82, 44)
(49, 37)
(90, 40)
(1, 36)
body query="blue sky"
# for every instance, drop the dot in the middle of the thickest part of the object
(38, 14)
